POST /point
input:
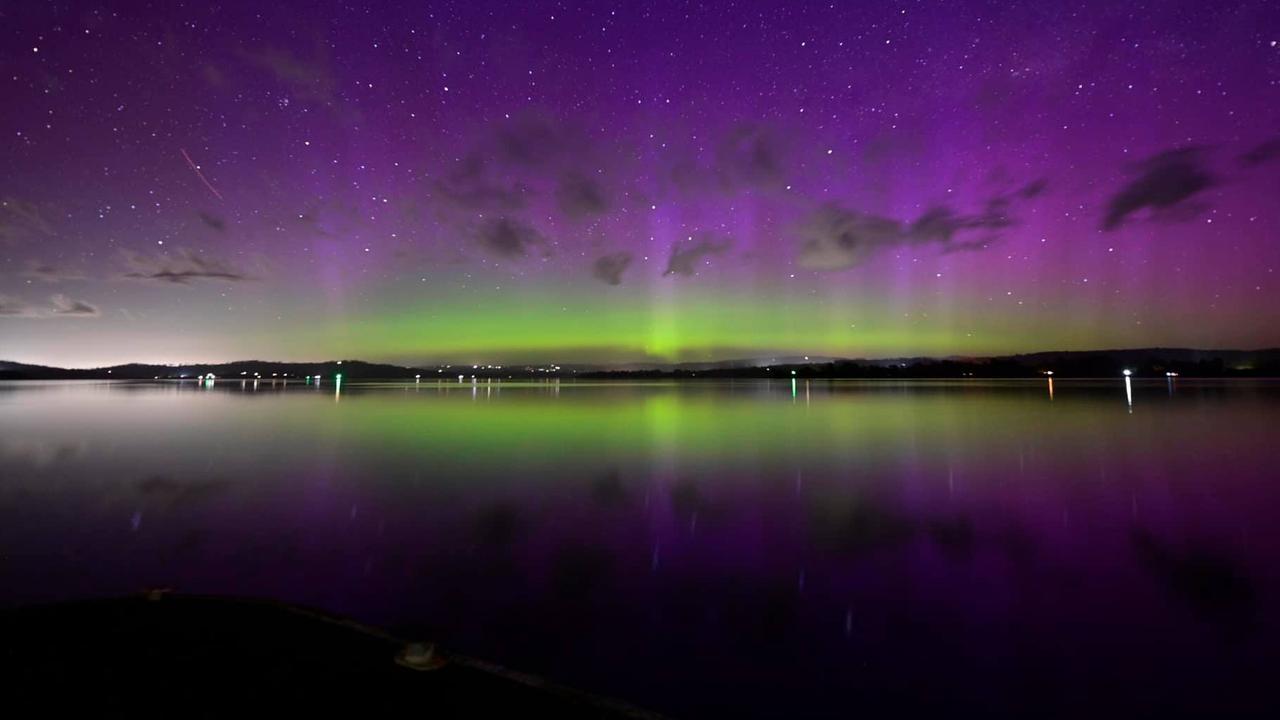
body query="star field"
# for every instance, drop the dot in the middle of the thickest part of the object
(595, 182)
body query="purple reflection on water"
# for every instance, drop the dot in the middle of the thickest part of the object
(699, 549)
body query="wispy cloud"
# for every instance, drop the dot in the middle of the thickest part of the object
(60, 306)
(309, 79)
(21, 220)
(508, 237)
(747, 156)
(50, 273)
(750, 156)
(472, 186)
(685, 256)
(581, 196)
(1261, 153)
(516, 165)
(64, 306)
(609, 268)
(213, 222)
(834, 237)
(15, 307)
(1164, 183)
(181, 267)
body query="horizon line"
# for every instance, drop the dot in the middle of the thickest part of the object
(790, 359)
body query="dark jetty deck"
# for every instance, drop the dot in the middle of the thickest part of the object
(166, 655)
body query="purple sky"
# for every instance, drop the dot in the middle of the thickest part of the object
(614, 181)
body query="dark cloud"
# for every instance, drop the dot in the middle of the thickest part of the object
(64, 306)
(975, 244)
(1033, 189)
(512, 162)
(996, 215)
(508, 237)
(180, 268)
(532, 141)
(48, 273)
(1262, 153)
(609, 268)
(1165, 183)
(750, 155)
(938, 224)
(746, 156)
(213, 222)
(685, 256)
(942, 224)
(532, 159)
(835, 238)
(513, 165)
(580, 196)
(471, 187)
(330, 219)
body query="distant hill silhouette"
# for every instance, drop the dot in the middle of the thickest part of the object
(354, 369)
(1089, 363)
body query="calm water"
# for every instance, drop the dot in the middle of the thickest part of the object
(698, 549)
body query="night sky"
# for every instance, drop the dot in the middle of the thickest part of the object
(609, 182)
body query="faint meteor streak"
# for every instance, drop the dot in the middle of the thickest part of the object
(199, 174)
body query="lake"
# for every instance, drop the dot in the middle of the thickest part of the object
(748, 548)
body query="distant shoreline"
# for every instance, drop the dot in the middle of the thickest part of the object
(1143, 362)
